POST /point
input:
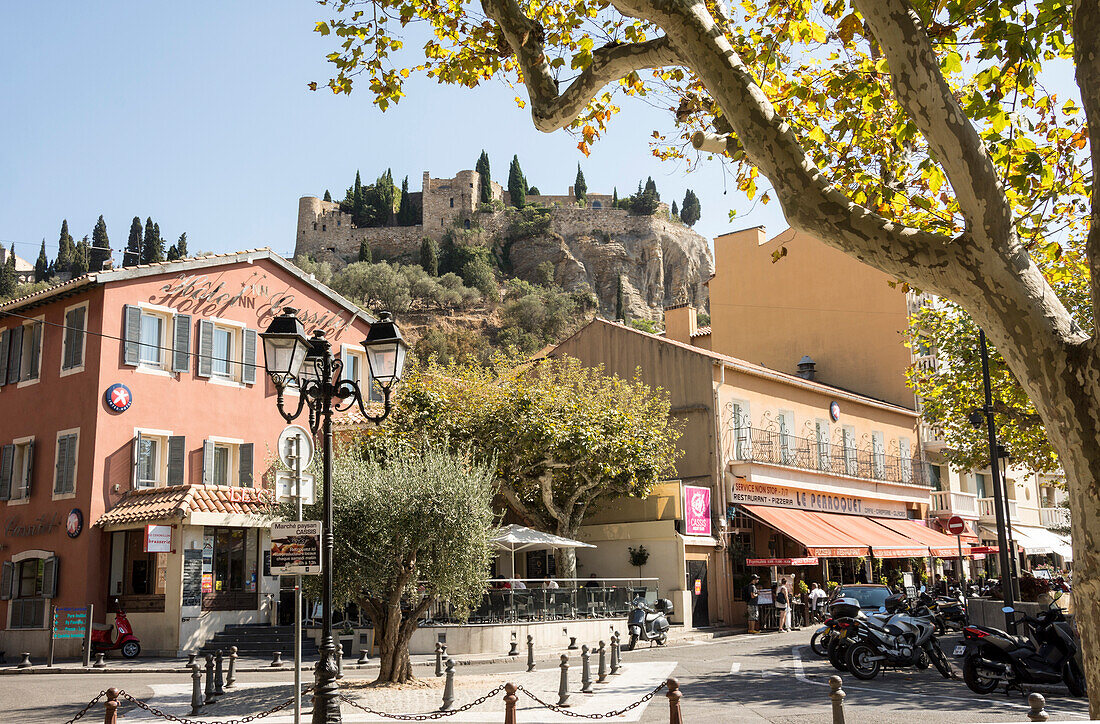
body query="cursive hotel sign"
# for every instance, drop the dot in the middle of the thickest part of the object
(210, 296)
(41, 525)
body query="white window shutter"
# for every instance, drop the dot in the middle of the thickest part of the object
(135, 461)
(207, 462)
(206, 348)
(181, 344)
(131, 334)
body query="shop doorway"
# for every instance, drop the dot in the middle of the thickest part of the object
(697, 584)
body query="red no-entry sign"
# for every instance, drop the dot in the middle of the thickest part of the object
(956, 525)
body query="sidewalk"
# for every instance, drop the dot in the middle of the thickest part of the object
(253, 664)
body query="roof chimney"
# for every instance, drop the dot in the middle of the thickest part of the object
(806, 367)
(680, 322)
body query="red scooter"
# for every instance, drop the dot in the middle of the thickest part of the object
(124, 639)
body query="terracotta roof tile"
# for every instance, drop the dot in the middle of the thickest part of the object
(178, 501)
(701, 332)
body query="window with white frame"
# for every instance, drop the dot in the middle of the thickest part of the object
(65, 458)
(32, 350)
(153, 326)
(740, 427)
(851, 465)
(158, 459)
(878, 454)
(227, 351)
(786, 427)
(223, 353)
(17, 469)
(357, 370)
(156, 338)
(72, 345)
(20, 352)
(227, 462)
(821, 430)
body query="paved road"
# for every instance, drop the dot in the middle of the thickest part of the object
(773, 678)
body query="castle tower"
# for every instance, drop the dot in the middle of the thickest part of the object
(309, 209)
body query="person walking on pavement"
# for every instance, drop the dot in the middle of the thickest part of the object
(783, 605)
(752, 611)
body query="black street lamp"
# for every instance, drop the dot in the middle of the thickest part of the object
(289, 356)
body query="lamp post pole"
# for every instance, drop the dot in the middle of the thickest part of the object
(326, 706)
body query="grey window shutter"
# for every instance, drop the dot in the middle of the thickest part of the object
(70, 475)
(248, 358)
(66, 462)
(67, 343)
(59, 471)
(244, 476)
(5, 343)
(131, 333)
(135, 460)
(15, 354)
(31, 373)
(181, 344)
(177, 451)
(30, 467)
(207, 462)
(7, 457)
(7, 580)
(206, 348)
(49, 577)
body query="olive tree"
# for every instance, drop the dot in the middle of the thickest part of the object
(412, 527)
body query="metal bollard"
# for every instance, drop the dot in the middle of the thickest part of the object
(100, 661)
(530, 652)
(572, 643)
(1037, 702)
(510, 699)
(364, 654)
(615, 655)
(445, 657)
(674, 715)
(219, 677)
(110, 716)
(586, 671)
(449, 687)
(276, 658)
(514, 650)
(196, 689)
(837, 695)
(438, 658)
(339, 661)
(563, 685)
(190, 660)
(231, 678)
(25, 661)
(601, 673)
(209, 679)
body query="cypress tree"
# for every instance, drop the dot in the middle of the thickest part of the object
(651, 187)
(517, 184)
(482, 169)
(620, 301)
(615, 197)
(8, 278)
(675, 211)
(181, 246)
(429, 256)
(691, 210)
(101, 246)
(152, 246)
(132, 255)
(580, 188)
(173, 253)
(364, 251)
(81, 256)
(406, 212)
(42, 266)
(328, 196)
(358, 203)
(65, 249)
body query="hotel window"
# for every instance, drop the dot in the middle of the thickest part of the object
(226, 462)
(158, 459)
(934, 477)
(740, 427)
(906, 462)
(29, 584)
(821, 430)
(357, 370)
(878, 454)
(156, 338)
(68, 445)
(72, 347)
(17, 469)
(227, 351)
(152, 339)
(851, 465)
(20, 352)
(32, 350)
(786, 426)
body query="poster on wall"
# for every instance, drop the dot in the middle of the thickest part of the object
(158, 539)
(296, 547)
(192, 577)
(208, 583)
(696, 510)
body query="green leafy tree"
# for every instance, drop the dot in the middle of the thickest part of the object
(65, 250)
(691, 210)
(42, 266)
(482, 169)
(429, 256)
(364, 251)
(580, 188)
(565, 438)
(81, 254)
(328, 196)
(131, 256)
(152, 246)
(517, 184)
(412, 526)
(100, 252)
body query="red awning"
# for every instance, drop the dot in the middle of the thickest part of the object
(884, 541)
(985, 549)
(943, 546)
(811, 530)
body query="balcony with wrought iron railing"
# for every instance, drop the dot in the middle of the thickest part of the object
(987, 511)
(778, 448)
(1054, 517)
(949, 502)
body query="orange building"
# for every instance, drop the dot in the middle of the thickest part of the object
(136, 397)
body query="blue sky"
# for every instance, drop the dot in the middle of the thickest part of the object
(198, 115)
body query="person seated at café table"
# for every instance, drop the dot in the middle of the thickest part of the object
(517, 584)
(592, 582)
(550, 583)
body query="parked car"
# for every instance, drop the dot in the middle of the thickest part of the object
(871, 596)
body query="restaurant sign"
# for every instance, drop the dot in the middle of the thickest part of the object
(779, 496)
(696, 510)
(158, 539)
(769, 562)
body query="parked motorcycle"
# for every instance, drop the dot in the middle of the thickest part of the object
(841, 630)
(992, 657)
(950, 612)
(648, 623)
(124, 639)
(907, 638)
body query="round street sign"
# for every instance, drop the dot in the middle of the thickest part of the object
(956, 525)
(286, 445)
(118, 397)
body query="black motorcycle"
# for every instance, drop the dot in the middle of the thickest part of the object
(648, 623)
(992, 657)
(950, 612)
(906, 639)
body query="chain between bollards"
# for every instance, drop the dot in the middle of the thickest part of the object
(110, 716)
(1037, 702)
(586, 670)
(837, 695)
(231, 677)
(449, 687)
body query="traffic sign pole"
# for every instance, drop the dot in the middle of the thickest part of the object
(956, 525)
(298, 589)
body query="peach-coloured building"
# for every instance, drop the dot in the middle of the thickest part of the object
(136, 397)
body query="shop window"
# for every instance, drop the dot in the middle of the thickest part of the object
(68, 446)
(72, 347)
(17, 469)
(227, 462)
(135, 572)
(227, 351)
(28, 582)
(232, 561)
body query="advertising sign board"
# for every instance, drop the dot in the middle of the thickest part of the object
(158, 539)
(296, 547)
(696, 510)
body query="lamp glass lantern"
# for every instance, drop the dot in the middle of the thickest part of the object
(285, 347)
(386, 351)
(310, 371)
